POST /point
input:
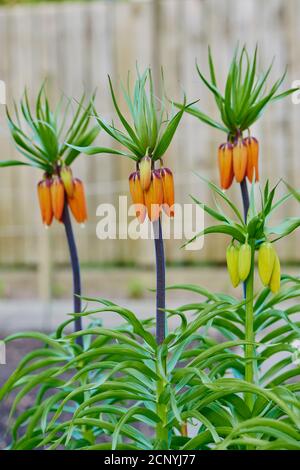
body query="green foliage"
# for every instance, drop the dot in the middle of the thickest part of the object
(227, 376)
(294, 192)
(257, 226)
(40, 134)
(244, 98)
(151, 130)
(121, 390)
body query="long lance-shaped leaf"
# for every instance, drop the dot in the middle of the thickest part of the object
(225, 229)
(128, 316)
(211, 87)
(90, 150)
(84, 140)
(217, 190)
(203, 117)
(8, 163)
(122, 118)
(168, 134)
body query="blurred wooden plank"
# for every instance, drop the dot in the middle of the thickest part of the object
(6, 193)
(44, 64)
(76, 45)
(132, 36)
(291, 36)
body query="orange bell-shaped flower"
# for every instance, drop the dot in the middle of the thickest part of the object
(252, 158)
(44, 195)
(137, 195)
(239, 160)
(154, 196)
(77, 203)
(57, 197)
(168, 191)
(225, 158)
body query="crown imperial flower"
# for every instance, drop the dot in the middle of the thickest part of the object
(44, 196)
(232, 259)
(244, 264)
(239, 154)
(275, 277)
(168, 191)
(225, 159)
(252, 158)
(77, 202)
(57, 197)
(137, 195)
(266, 260)
(154, 196)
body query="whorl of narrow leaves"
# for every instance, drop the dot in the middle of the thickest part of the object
(257, 226)
(246, 94)
(40, 133)
(150, 131)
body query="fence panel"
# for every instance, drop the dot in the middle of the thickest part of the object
(76, 45)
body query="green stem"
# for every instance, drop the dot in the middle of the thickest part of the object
(162, 410)
(249, 330)
(245, 199)
(160, 282)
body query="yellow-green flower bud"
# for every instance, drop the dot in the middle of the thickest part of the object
(232, 258)
(67, 179)
(275, 277)
(244, 261)
(266, 260)
(145, 173)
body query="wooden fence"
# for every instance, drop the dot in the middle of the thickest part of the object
(76, 45)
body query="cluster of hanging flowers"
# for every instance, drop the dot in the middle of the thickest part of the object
(238, 160)
(54, 190)
(151, 190)
(239, 261)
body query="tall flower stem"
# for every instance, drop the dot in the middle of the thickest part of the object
(161, 428)
(248, 295)
(160, 282)
(245, 199)
(162, 412)
(249, 330)
(75, 268)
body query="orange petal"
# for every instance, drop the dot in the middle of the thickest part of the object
(137, 195)
(168, 191)
(77, 203)
(239, 160)
(225, 158)
(57, 197)
(154, 196)
(44, 195)
(252, 163)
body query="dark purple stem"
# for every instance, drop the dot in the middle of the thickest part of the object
(245, 198)
(75, 269)
(160, 283)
